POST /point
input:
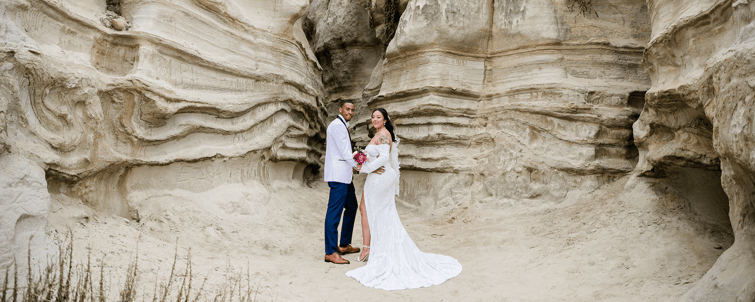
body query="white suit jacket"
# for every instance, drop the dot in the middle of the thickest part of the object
(338, 160)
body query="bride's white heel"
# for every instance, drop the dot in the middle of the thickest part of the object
(365, 257)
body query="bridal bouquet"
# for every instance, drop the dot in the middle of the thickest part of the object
(360, 157)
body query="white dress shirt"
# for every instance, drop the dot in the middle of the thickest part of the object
(338, 160)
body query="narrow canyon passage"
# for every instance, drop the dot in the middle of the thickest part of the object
(599, 246)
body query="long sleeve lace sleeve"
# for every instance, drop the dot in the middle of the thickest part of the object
(378, 162)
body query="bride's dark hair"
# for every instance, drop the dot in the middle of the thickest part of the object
(388, 122)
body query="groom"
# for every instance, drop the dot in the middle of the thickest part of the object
(339, 169)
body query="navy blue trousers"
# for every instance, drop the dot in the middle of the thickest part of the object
(342, 200)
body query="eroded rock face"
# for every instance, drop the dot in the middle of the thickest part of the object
(341, 34)
(24, 204)
(496, 103)
(513, 99)
(196, 81)
(349, 39)
(699, 114)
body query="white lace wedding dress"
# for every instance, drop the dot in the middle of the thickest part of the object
(395, 262)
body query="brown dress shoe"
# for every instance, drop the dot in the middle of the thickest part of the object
(348, 250)
(336, 258)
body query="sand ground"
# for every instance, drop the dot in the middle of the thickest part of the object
(595, 246)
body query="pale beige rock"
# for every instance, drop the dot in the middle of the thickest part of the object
(698, 115)
(139, 99)
(24, 204)
(384, 17)
(205, 121)
(341, 35)
(515, 99)
(120, 23)
(502, 100)
(191, 81)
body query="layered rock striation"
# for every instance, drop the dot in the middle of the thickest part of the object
(195, 94)
(698, 115)
(342, 37)
(117, 104)
(506, 100)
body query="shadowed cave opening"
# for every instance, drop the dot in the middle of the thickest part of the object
(636, 100)
(113, 6)
(691, 190)
(697, 195)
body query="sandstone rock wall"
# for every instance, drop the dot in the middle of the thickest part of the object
(698, 115)
(503, 100)
(25, 205)
(191, 84)
(341, 33)
(496, 103)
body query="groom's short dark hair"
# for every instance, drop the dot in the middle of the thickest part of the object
(344, 102)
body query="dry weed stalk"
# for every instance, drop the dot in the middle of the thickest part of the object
(29, 288)
(199, 293)
(15, 280)
(583, 7)
(188, 269)
(102, 280)
(248, 285)
(183, 284)
(233, 286)
(220, 297)
(33, 290)
(256, 291)
(83, 288)
(65, 285)
(166, 289)
(5, 285)
(128, 294)
(154, 294)
(47, 283)
(62, 280)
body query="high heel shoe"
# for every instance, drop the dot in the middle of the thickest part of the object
(365, 257)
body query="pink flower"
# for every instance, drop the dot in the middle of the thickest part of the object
(360, 157)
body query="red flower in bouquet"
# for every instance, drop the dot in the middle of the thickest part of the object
(360, 157)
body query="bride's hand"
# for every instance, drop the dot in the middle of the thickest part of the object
(359, 167)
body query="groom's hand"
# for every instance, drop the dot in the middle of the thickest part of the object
(379, 171)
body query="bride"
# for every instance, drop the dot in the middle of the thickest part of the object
(395, 262)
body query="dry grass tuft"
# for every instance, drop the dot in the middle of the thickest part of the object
(128, 293)
(199, 293)
(62, 280)
(86, 286)
(166, 289)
